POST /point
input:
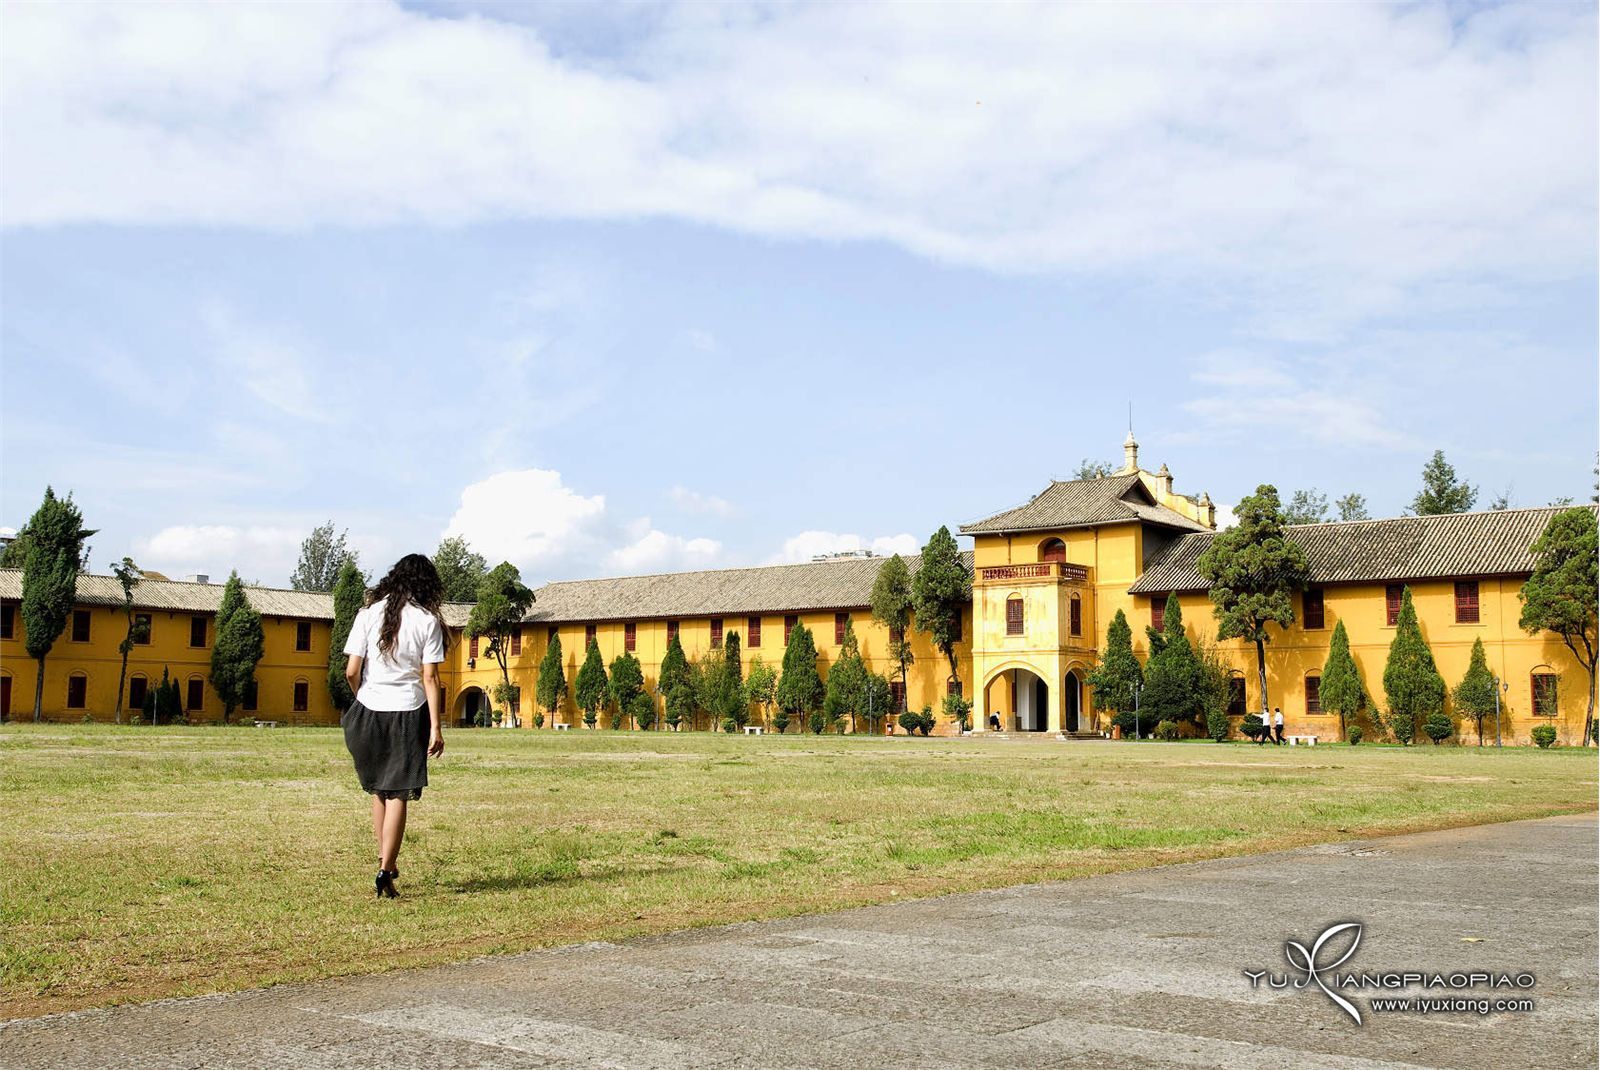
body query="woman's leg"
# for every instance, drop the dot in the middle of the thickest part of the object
(394, 830)
(377, 827)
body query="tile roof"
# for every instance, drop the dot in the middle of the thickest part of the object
(1083, 503)
(838, 584)
(1402, 548)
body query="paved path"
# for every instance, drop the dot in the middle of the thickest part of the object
(1132, 970)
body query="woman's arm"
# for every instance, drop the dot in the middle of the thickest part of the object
(430, 684)
(352, 671)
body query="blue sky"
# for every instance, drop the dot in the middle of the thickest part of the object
(645, 287)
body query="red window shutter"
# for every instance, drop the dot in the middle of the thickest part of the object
(840, 622)
(953, 687)
(896, 635)
(1076, 615)
(589, 633)
(716, 632)
(630, 636)
(472, 647)
(788, 627)
(516, 640)
(1467, 602)
(1158, 612)
(752, 629)
(1313, 694)
(897, 695)
(1393, 596)
(672, 630)
(1053, 550)
(1013, 616)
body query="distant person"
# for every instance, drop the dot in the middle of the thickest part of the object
(1277, 725)
(994, 722)
(395, 648)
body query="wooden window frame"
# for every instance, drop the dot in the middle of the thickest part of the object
(790, 622)
(84, 617)
(1016, 616)
(1394, 597)
(302, 696)
(841, 623)
(952, 687)
(551, 633)
(8, 620)
(1158, 612)
(1469, 607)
(1075, 615)
(302, 628)
(1313, 609)
(897, 696)
(672, 630)
(591, 634)
(203, 624)
(78, 681)
(1551, 704)
(516, 640)
(141, 681)
(752, 633)
(630, 636)
(1238, 690)
(149, 628)
(472, 646)
(1313, 695)
(716, 633)
(1047, 548)
(189, 706)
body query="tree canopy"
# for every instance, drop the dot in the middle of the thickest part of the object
(53, 555)
(1306, 507)
(322, 555)
(1118, 676)
(460, 569)
(349, 594)
(503, 601)
(592, 684)
(1352, 506)
(1172, 678)
(551, 686)
(941, 591)
(1475, 695)
(1441, 491)
(128, 575)
(1411, 680)
(1561, 597)
(891, 607)
(845, 690)
(1341, 691)
(800, 684)
(238, 648)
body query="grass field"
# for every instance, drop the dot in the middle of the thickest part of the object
(149, 862)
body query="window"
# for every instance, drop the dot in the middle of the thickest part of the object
(1311, 608)
(472, 647)
(516, 640)
(1076, 615)
(630, 636)
(77, 691)
(145, 626)
(1467, 602)
(1053, 550)
(302, 696)
(716, 631)
(896, 635)
(841, 623)
(953, 687)
(752, 632)
(302, 635)
(1013, 616)
(1393, 595)
(8, 620)
(1158, 612)
(1313, 694)
(197, 631)
(897, 696)
(197, 695)
(672, 630)
(138, 688)
(956, 635)
(590, 632)
(1545, 694)
(1236, 699)
(250, 697)
(788, 626)
(80, 625)
(551, 633)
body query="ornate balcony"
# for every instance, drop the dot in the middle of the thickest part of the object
(1043, 570)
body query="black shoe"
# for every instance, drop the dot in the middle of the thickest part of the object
(383, 883)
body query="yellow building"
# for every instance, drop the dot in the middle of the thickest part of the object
(1048, 576)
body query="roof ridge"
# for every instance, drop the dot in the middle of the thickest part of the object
(732, 568)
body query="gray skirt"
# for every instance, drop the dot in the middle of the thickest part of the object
(390, 748)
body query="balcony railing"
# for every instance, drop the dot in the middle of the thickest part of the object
(1060, 570)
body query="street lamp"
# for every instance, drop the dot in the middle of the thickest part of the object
(1137, 687)
(1501, 688)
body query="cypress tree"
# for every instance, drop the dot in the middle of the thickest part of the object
(349, 594)
(591, 684)
(551, 687)
(941, 591)
(734, 706)
(800, 686)
(54, 554)
(891, 607)
(674, 684)
(1172, 685)
(847, 679)
(1440, 492)
(1118, 676)
(238, 649)
(1341, 688)
(625, 684)
(1410, 679)
(1475, 694)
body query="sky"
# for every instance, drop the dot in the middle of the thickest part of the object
(642, 287)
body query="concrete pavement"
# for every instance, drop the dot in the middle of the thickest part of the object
(1142, 969)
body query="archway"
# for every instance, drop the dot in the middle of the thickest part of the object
(469, 705)
(1020, 698)
(1072, 702)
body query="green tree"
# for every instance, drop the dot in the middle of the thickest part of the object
(891, 607)
(761, 686)
(1118, 676)
(708, 675)
(128, 574)
(1411, 681)
(626, 683)
(1475, 694)
(54, 553)
(1088, 469)
(941, 591)
(503, 601)
(1306, 507)
(322, 555)
(591, 685)
(349, 594)
(1560, 596)
(959, 709)
(240, 644)
(1441, 492)
(733, 706)
(674, 684)
(642, 709)
(877, 700)
(1172, 680)
(847, 679)
(1439, 727)
(1254, 569)
(1341, 690)
(800, 689)
(460, 569)
(551, 687)
(1214, 673)
(1352, 507)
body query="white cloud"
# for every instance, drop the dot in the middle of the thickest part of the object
(264, 553)
(692, 501)
(809, 544)
(656, 551)
(1332, 159)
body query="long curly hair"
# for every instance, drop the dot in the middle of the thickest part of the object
(414, 580)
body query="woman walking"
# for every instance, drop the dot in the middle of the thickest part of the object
(395, 648)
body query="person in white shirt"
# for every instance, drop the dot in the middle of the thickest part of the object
(395, 648)
(1277, 724)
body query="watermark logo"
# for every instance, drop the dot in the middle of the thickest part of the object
(1319, 965)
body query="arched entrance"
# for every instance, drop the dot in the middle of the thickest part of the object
(469, 705)
(1020, 698)
(1072, 703)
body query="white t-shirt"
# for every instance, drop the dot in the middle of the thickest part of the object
(394, 681)
(1277, 717)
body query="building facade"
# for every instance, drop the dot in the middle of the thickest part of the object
(1048, 576)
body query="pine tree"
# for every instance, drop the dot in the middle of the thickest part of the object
(1561, 596)
(460, 569)
(1440, 492)
(734, 707)
(1341, 690)
(349, 594)
(1352, 507)
(891, 607)
(240, 644)
(674, 684)
(1118, 677)
(1475, 695)
(1254, 569)
(626, 682)
(590, 688)
(322, 555)
(800, 688)
(1411, 681)
(551, 686)
(55, 536)
(1172, 684)
(847, 680)
(128, 576)
(1306, 507)
(941, 591)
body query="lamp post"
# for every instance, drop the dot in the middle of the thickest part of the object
(1500, 687)
(1137, 688)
